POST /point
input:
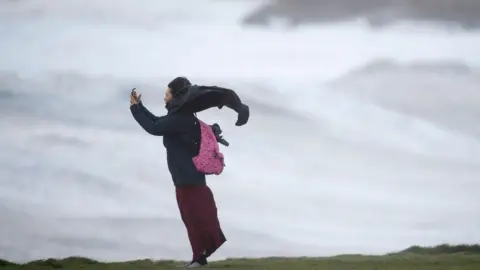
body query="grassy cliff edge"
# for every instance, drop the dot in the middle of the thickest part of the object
(465, 257)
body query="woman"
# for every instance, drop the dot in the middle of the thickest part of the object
(181, 137)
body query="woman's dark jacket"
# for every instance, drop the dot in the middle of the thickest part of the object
(180, 128)
(181, 138)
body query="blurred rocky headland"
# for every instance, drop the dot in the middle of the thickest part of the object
(377, 13)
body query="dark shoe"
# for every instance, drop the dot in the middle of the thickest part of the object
(203, 260)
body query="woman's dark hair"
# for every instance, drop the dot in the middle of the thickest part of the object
(178, 86)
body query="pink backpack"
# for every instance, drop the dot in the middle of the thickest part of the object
(209, 159)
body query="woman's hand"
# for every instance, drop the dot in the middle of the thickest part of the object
(134, 98)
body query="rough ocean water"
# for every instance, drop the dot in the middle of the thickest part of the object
(360, 140)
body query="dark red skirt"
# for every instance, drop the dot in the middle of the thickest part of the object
(199, 214)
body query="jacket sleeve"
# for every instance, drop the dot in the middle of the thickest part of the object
(158, 126)
(150, 115)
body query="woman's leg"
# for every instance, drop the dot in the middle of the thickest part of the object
(199, 214)
(187, 214)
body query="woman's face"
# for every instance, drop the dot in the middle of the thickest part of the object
(168, 95)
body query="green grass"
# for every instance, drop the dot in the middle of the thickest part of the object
(465, 257)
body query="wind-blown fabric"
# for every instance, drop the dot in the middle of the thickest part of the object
(199, 98)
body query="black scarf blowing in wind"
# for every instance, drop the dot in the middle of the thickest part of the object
(196, 98)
